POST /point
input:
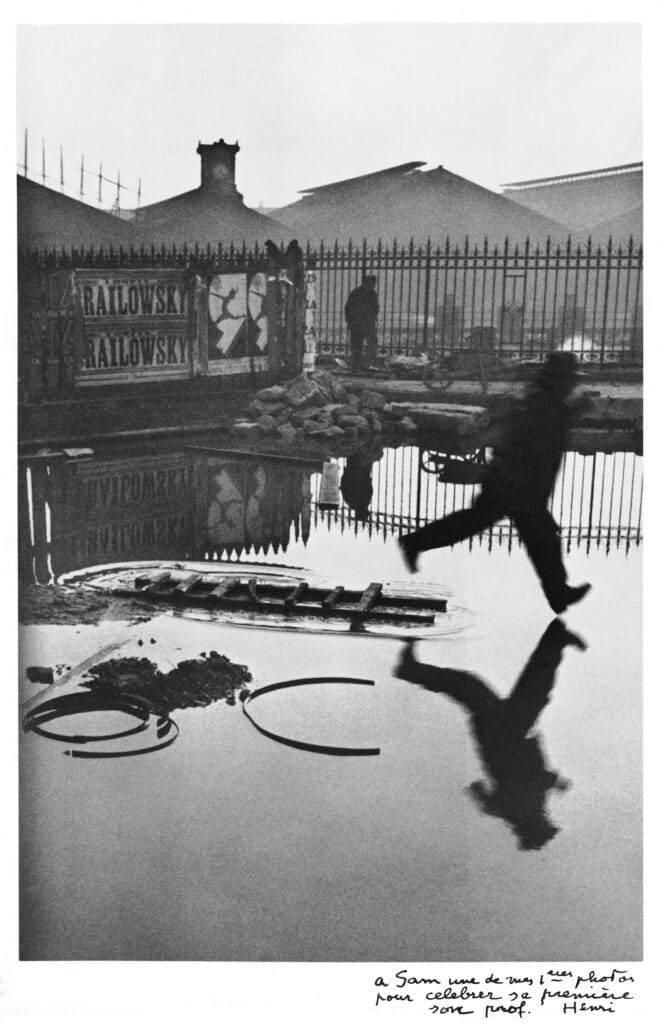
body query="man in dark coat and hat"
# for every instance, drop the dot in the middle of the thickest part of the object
(518, 483)
(361, 311)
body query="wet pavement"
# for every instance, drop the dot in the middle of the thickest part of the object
(501, 819)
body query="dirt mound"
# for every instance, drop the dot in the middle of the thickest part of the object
(194, 683)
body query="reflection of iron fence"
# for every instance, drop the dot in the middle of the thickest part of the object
(597, 500)
(517, 301)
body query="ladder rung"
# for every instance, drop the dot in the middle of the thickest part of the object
(291, 599)
(188, 583)
(157, 582)
(223, 589)
(369, 598)
(332, 598)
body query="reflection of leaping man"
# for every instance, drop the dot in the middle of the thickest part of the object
(512, 754)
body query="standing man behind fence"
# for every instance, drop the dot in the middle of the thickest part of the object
(361, 311)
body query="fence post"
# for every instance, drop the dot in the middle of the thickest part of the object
(427, 291)
(606, 299)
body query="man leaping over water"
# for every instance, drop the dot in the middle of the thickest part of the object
(518, 483)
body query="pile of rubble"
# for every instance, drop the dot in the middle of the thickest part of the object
(316, 406)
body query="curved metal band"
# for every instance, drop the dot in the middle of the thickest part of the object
(164, 727)
(86, 703)
(314, 748)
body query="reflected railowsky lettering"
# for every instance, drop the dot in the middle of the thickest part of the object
(512, 757)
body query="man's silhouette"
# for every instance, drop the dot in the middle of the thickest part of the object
(361, 312)
(513, 759)
(356, 485)
(518, 483)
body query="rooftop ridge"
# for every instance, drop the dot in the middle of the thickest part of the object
(580, 176)
(398, 168)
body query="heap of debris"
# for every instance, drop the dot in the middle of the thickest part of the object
(195, 683)
(316, 406)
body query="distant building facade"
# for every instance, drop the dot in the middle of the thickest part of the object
(602, 202)
(405, 202)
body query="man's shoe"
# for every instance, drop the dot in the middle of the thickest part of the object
(570, 595)
(408, 553)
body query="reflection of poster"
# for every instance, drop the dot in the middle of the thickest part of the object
(249, 505)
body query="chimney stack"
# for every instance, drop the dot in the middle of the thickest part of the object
(218, 169)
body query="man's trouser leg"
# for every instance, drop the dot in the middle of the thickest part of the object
(458, 526)
(356, 345)
(372, 345)
(539, 533)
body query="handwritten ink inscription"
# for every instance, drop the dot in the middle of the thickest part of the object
(498, 995)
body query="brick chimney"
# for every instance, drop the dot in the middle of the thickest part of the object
(218, 169)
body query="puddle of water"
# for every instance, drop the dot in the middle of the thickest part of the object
(231, 846)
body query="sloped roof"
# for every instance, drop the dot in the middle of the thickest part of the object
(368, 179)
(199, 217)
(583, 199)
(405, 202)
(46, 218)
(619, 229)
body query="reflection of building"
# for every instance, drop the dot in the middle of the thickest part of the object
(173, 505)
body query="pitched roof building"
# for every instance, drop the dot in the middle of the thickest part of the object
(48, 219)
(213, 213)
(403, 202)
(600, 202)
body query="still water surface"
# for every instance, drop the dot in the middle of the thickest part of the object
(229, 846)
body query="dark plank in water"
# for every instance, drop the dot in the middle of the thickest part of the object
(188, 583)
(291, 599)
(369, 598)
(157, 582)
(261, 456)
(332, 598)
(222, 590)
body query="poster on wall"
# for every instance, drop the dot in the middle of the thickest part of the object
(237, 333)
(135, 326)
(310, 336)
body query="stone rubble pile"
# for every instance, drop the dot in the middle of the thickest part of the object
(316, 406)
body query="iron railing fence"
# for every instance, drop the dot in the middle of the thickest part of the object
(517, 301)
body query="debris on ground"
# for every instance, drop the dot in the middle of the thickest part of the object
(316, 408)
(193, 683)
(43, 675)
(51, 604)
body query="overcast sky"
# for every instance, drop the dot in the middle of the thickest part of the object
(316, 103)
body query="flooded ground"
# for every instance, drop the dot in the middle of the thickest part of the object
(467, 837)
